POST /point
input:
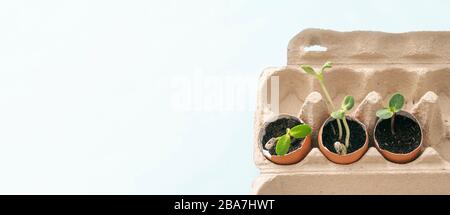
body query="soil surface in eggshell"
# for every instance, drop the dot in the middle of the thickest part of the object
(406, 138)
(330, 135)
(278, 128)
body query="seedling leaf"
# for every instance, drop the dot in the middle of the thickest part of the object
(396, 102)
(384, 113)
(327, 65)
(283, 145)
(308, 69)
(348, 103)
(300, 131)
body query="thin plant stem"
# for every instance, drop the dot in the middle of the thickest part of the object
(392, 124)
(347, 133)
(330, 102)
(327, 95)
(339, 128)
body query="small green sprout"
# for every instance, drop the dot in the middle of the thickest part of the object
(395, 105)
(319, 76)
(296, 132)
(347, 104)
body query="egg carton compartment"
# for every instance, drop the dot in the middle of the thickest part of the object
(369, 68)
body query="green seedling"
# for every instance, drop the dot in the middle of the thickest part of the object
(347, 104)
(395, 105)
(319, 76)
(296, 132)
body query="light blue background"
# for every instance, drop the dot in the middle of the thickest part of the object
(85, 93)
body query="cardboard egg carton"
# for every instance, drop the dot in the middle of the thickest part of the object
(371, 66)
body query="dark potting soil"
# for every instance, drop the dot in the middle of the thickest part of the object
(406, 138)
(278, 128)
(330, 135)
